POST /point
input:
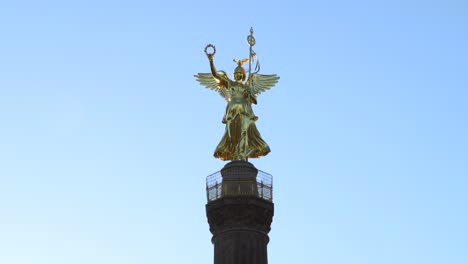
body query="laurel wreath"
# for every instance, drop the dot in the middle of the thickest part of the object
(210, 46)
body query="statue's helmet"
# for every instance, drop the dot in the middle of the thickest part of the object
(239, 69)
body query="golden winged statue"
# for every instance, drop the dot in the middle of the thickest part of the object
(241, 139)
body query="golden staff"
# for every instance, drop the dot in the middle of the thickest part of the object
(251, 41)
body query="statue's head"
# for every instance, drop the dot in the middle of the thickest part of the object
(239, 72)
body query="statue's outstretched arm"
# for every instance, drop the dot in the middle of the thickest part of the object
(221, 77)
(213, 68)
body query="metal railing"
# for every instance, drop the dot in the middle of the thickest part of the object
(262, 187)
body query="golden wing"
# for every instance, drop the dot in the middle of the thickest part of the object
(259, 83)
(207, 80)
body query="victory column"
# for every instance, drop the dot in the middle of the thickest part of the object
(240, 202)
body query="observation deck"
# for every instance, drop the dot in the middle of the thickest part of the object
(235, 180)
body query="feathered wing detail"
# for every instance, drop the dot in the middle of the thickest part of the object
(259, 83)
(207, 80)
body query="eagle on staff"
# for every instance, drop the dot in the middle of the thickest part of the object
(241, 139)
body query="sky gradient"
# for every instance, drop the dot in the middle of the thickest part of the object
(106, 137)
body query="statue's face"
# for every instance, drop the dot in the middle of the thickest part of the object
(238, 75)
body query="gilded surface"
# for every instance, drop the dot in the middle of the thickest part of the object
(241, 139)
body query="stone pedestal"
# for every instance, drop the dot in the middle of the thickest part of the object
(240, 219)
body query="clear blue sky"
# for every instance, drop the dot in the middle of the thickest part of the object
(106, 138)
